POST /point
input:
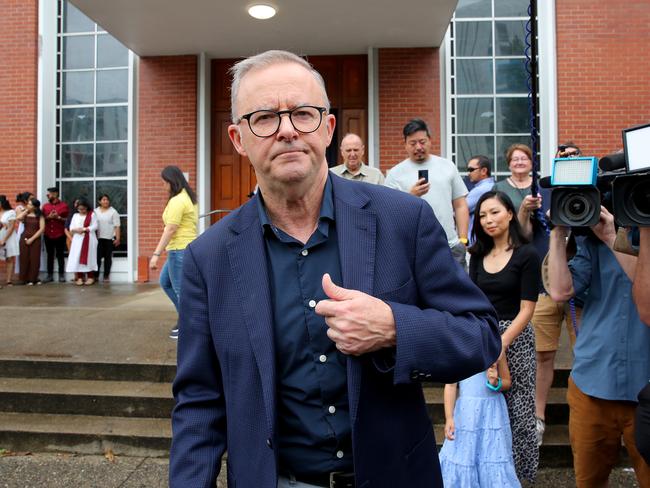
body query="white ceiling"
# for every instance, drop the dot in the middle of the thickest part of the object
(223, 29)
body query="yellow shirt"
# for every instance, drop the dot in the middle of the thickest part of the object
(182, 212)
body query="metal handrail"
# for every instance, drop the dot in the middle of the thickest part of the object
(214, 212)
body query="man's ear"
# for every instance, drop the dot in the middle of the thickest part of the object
(330, 124)
(234, 132)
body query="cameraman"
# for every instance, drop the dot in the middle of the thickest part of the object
(641, 292)
(612, 352)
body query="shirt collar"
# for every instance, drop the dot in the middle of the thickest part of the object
(326, 209)
(362, 170)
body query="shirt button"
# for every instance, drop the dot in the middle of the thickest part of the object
(322, 358)
(304, 252)
(339, 454)
(332, 409)
(312, 303)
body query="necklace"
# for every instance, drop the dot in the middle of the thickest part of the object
(523, 191)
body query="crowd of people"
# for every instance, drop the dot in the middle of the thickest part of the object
(88, 235)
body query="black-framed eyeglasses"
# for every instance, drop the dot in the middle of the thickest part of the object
(265, 123)
(470, 170)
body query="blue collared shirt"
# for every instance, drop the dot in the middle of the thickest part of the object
(612, 351)
(477, 191)
(314, 431)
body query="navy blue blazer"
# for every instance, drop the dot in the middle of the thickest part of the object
(392, 247)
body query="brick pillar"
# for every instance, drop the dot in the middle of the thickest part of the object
(18, 96)
(603, 71)
(409, 87)
(167, 118)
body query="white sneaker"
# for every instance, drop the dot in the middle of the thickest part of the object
(540, 427)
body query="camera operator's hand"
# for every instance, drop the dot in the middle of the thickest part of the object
(604, 229)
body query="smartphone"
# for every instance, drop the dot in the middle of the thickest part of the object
(423, 173)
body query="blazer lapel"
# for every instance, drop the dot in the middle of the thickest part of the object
(249, 270)
(356, 230)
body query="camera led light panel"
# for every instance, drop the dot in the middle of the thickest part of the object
(574, 171)
(637, 148)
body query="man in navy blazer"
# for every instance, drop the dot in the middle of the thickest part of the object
(311, 315)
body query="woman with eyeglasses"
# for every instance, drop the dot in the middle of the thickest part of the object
(181, 218)
(517, 185)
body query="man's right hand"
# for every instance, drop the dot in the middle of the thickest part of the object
(420, 188)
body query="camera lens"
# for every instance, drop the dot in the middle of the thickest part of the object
(577, 208)
(640, 198)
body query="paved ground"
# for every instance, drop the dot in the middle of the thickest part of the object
(67, 471)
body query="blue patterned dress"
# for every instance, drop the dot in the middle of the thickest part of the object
(481, 453)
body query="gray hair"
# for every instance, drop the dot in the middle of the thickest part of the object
(264, 60)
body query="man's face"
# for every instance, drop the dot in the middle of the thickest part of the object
(52, 196)
(418, 146)
(288, 156)
(352, 150)
(474, 171)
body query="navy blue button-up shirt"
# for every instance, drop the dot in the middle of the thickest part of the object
(314, 432)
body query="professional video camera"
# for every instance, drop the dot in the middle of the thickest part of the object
(622, 185)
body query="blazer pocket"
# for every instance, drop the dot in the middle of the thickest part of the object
(405, 293)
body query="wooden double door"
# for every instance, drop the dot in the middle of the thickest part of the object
(233, 177)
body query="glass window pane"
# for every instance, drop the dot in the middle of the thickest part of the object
(512, 115)
(111, 123)
(510, 37)
(474, 76)
(112, 86)
(77, 124)
(112, 159)
(474, 38)
(503, 143)
(475, 115)
(71, 190)
(474, 8)
(511, 8)
(469, 146)
(511, 76)
(79, 52)
(120, 251)
(116, 191)
(76, 160)
(110, 53)
(78, 88)
(75, 20)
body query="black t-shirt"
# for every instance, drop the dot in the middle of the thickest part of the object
(518, 280)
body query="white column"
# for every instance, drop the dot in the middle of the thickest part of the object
(132, 171)
(547, 57)
(373, 109)
(203, 157)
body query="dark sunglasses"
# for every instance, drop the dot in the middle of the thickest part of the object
(469, 170)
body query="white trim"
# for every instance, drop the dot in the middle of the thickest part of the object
(203, 156)
(547, 56)
(373, 108)
(47, 96)
(445, 96)
(132, 171)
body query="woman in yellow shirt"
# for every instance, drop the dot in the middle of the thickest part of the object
(180, 217)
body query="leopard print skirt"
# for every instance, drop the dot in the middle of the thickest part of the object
(520, 399)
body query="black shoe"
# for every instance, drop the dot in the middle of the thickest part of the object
(61, 279)
(48, 279)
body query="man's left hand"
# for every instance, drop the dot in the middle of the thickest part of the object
(358, 323)
(604, 229)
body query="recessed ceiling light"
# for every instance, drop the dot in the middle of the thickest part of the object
(261, 11)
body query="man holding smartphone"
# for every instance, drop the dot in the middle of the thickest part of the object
(437, 181)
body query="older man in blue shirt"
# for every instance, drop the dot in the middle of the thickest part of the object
(612, 352)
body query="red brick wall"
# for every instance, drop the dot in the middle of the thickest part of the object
(18, 96)
(409, 86)
(603, 70)
(167, 117)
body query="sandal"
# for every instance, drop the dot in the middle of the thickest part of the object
(79, 282)
(89, 282)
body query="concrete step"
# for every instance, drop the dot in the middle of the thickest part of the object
(84, 434)
(76, 370)
(86, 397)
(557, 410)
